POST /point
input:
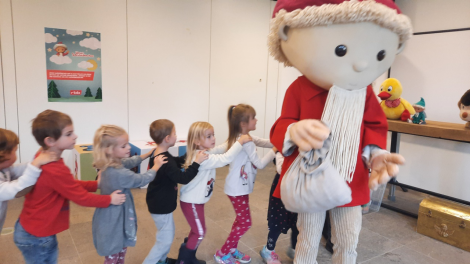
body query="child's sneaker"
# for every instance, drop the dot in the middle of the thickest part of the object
(290, 252)
(241, 257)
(227, 259)
(269, 257)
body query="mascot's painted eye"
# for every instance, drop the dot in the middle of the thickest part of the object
(341, 50)
(381, 55)
(389, 89)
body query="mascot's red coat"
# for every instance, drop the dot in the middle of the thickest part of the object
(305, 100)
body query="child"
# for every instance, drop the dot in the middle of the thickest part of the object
(162, 192)
(115, 227)
(241, 178)
(15, 178)
(195, 194)
(46, 208)
(279, 221)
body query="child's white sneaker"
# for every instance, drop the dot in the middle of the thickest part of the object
(269, 257)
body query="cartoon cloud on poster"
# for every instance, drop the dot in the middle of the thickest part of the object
(73, 61)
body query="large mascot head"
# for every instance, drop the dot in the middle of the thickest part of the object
(335, 42)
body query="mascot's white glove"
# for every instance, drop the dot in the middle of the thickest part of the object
(383, 168)
(309, 134)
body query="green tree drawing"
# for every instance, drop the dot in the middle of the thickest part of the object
(52, 91)
(98, 94)
(88, 92)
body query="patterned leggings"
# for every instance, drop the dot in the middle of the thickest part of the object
(242, 222)
(117, 258)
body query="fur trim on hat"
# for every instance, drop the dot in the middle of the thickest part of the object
(60, 44)
(346, 12)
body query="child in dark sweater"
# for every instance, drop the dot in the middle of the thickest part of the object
(162, 192)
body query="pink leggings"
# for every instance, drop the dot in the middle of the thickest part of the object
(117, 258)
(194, 214)
(242, 222)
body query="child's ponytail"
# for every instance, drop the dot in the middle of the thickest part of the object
(236, 115)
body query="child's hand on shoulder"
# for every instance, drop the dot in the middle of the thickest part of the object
(117, 198)
(148, 154)
(158, 161)
(201, 156)
(244, 139)
(43, 158)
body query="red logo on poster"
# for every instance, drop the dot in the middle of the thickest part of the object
(75, 92)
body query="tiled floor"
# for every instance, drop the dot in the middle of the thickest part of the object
(386, 236)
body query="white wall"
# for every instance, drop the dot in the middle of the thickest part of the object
(29, 20)
(239, 59)
(2, 106)
(182, 60)
(8, 67)
(169, 58)
(432, 15)
(436, 67)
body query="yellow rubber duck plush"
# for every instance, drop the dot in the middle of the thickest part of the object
(393, 106)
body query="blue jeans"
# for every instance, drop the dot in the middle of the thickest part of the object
(36, 250)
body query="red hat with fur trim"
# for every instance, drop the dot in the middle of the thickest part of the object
(59, 44)
(309, 13)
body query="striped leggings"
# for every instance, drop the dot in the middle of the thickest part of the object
(194, 214)
(346, 225)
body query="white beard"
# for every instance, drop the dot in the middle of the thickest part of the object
(343, 113)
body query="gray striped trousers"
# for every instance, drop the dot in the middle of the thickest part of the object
(346, 225)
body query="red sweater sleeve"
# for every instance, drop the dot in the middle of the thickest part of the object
(290, 114)
(90, 186)
(72, 190)
(375, 122)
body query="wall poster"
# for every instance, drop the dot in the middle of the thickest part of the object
(73, 62)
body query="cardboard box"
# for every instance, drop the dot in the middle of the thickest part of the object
(83, 163)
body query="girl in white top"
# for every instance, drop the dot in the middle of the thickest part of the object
(196, 193)
(241, 178)
(15, 179)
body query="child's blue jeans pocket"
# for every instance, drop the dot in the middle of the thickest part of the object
(35, 249)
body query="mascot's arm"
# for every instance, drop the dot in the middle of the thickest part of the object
(290, 114)
(375, 122)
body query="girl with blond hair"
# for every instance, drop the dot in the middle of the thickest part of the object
(196, 193)
(115, 227)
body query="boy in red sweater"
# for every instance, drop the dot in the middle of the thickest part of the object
(46, 208)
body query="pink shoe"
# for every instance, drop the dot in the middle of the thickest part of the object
(241, 257)
(269, 257)
(227, 259)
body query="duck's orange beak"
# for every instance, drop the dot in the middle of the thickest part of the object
(384, 95)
